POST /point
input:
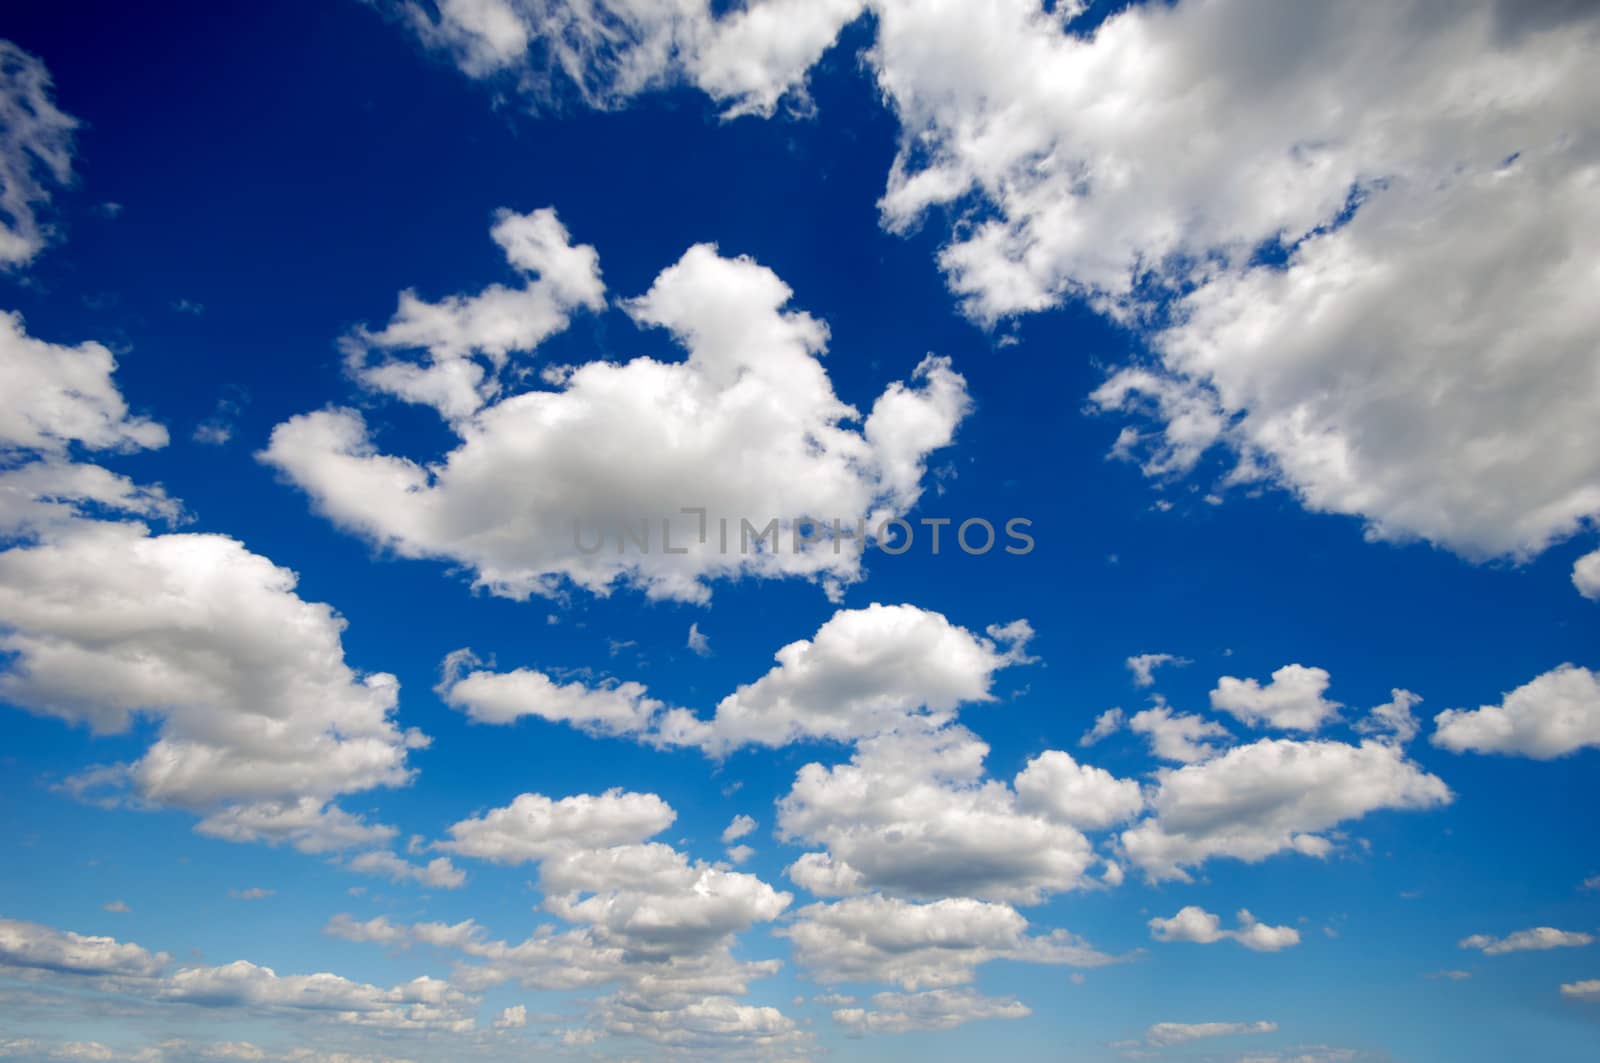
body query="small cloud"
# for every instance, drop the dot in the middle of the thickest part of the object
(189, 306)
(118, 906)
(698, 641)
(1107, 723)
(618, 645)
(1453, 976)
(740, 853)
(738, 828)
(254, 893)
(1144, 665)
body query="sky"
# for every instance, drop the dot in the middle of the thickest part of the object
(1177, 639)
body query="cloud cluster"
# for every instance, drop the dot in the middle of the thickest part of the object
(261, 722)
(1195, 924)
(659, 475)
(106, 965)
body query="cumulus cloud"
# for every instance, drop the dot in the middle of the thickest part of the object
(468, 340)
(1106, 724)
(1550, 716)
(1293, 701)
(1586, 575)
(534, 826)
(663, 476)
(1195, 924)
(35, 153)
(107, 965)
(1183, 737)
(1538, 939)
(1081, 795)
(916, 946)
(865, 671)
(934, 1009)
(1272, 796)
(913, 814)
(439, 872)
(740, 826)
(1393, 721)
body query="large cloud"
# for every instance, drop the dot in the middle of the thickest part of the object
(913, 814)
(1272, 796)
(35, 153)
(262, 723)
(1549, 716)
(663, 475)
(917, 946)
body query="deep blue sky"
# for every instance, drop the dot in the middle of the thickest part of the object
(288, 168)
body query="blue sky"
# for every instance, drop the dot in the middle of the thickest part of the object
(1284, 350)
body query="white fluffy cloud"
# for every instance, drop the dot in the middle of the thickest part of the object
(1549, 716)
(1183, 737)
(64, 395)
(660, 475)
(35, 153)
(1195, 924)
(1538, 939)
(913, 814)
(262, 723)
(1293, 701)
(469, 339)
(1081, 795)
(533, 826)
(1586, 575)
(1272, 796)
(917, 946)
(865, 672)
(934, 1009)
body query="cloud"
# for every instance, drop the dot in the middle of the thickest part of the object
(1550, 716)
(117, 906)
(1195, 924)
(1538, 939)
(1272, 796)
(107, 965)
(1144, 665)
(657, 475)
(1106, 724)
(438, 873)
(1293, 701)
(698, 643)
(608, 52)
(1393, 721)
(1182, 737)
(1081, 795)
(534, 826)
(35, 154)
(913, 814)
(740, 826)
(915, 946)
(1588, 990)
(864, 672)
(935, 1009)
(1165, 1034)
(1586, 575)
(69, 396)
(468, 340)
(254, 893)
